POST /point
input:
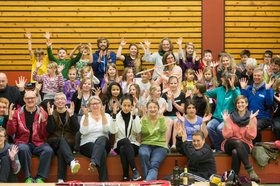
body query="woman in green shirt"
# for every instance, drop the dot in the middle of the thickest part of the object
(153, 149)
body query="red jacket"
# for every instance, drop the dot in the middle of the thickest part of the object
(17, 127)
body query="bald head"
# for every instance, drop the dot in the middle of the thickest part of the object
(3, 80)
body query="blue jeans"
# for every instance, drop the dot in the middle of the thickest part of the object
(214, 128)
(151, 157)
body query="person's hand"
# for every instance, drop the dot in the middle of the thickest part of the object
(115, 107)
(206, 118)
(79, 92)
(38, 86)
(42, 116)
(28, 35)
(123, 42)
(197, 58)
(39, 64)
(252, 115)
(21, 83)
(225, 115)
(199, 75)
(179, 41)
(243, 83)
(188, 94)
(102, 110)
(47, 35)
(180, 117)
(60, 68)
(96, 91)
(106, 78)
(270, 83)
(277, 97)
(214, 64)
(6, 111)
(170, 96)
(71, 109)
(231, 81)
(13, 152)
(147, 43)
(50, 108)
(181, 131)
(11, 111)
(85, 110)
(101, 53)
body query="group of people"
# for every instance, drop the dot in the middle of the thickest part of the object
(77, 103)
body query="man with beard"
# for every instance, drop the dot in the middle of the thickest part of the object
(8, 92)
(102, 57)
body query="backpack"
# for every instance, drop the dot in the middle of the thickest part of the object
(264, 153)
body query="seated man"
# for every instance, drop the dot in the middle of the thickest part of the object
(28, 126)
(201, 161)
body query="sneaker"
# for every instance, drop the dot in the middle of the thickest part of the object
(60, 181)
(136, 175)
(91, 167)
(75, 166)
(39, 180)
(29, 180)
(173, 148)
(126, 178)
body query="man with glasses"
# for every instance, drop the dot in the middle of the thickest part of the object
(28, 126)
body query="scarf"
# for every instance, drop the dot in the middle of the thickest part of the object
(240, 121)
(256, 88)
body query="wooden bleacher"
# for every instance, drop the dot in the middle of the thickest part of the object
(270, 173)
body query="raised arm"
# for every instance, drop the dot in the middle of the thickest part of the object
(77, 47)
(119, 52)
(29, 37)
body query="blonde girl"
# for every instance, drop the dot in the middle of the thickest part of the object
(87, 72)
(188, 85)
(127, 79)
(110, 76)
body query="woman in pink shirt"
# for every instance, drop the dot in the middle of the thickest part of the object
(240, 128)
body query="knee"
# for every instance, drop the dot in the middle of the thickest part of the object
(143, 152)
(101, 141)
(234, 152)
(47, 150)
(23, 148)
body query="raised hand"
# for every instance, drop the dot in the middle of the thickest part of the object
(97, 91)
(38, 86)
(47, 35)
(21, 83)
(147, 43)
(11, 111)
(13, 152)
(42, 116)
(60, 68)
(106, 78)
(252, 115)
(225, 115)
(71, 109)
(50, 108)
(179, 41)
(181, 131)
(85, 110)
(214, 64)
(270, 83)
(277, 97)
(199, 75)
(243, 83)
(102, 110)
(170, 96)
(123, 42)
(180, 117)
(231, 81)
(197, 58)
(28, 35)
(115, 107)
(206, 117)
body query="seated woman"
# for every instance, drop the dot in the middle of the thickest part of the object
(153, 148)
(240, 128)
(126, 125)
(94, 127)
(9, 162)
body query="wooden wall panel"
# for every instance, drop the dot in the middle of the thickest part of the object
(252, 25)
(82, 21)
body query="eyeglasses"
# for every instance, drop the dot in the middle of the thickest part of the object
(94, 104)
(30, 98)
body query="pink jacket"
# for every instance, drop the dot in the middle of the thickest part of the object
(244, 134)
(18, 128)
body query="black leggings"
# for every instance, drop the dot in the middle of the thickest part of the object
(127, 151)
(240, 153)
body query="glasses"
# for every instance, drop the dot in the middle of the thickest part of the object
(94, 104)
(30, 98)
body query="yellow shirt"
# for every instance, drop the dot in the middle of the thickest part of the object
(42, 70)
(187, 86)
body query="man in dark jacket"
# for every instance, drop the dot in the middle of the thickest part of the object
(201, 161)
(8, 92)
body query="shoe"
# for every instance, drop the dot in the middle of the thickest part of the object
(252, 174)
(29, 180)
(39, 180)
(60, 181)
(75, 166)
(126, 178)
(136, 175)
(91, 167)
(173, 148)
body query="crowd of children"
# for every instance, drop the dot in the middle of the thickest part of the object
(84, 99)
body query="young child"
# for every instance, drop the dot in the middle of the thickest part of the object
(110, 76)
(188, 85)
(133, 59)
(37, 55)
(244, 55)
(9, 162)
(112, 98)
(127, 79)
(86, 58)
(62, 55)
(4, 111)
(87, 72)
(126, 126)
(71, 85)
(144, 82)
(134, 91)
(265, 65)
(52, 82)
(191, 61)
